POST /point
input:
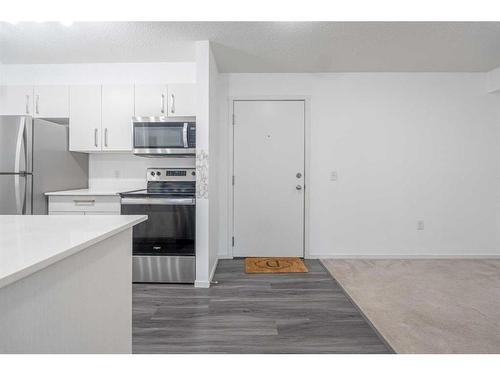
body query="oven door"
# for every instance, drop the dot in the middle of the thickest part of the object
(169, 230)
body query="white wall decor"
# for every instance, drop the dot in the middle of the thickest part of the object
(202, 174)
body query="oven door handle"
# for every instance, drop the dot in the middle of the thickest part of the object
(157, 201)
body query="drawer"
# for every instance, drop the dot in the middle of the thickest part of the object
(85, 203)
(66, 213)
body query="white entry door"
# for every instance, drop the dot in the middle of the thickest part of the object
(268, 178)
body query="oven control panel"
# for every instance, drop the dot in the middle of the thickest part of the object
(171, 174)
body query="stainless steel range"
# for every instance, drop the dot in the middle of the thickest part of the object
(164, 245)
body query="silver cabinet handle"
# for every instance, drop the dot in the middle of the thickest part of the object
(172, 106)
(27, 104)
(298, 187)
(95, 137)
(36, 105)
(162, 103)
(84, 202)
(106, 137)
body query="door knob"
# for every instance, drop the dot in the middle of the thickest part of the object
(298, 187)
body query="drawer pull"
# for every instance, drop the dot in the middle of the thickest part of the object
(84, 202)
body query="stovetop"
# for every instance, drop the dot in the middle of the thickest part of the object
(167, 183)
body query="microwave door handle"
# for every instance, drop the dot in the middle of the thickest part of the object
(185, 135)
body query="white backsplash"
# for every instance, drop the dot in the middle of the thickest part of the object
(126, 171)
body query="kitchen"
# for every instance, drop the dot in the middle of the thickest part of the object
(191, 187)
(90, 160)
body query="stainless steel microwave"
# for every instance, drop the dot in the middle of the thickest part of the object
(164, 136)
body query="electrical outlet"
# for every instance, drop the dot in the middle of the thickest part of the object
(333, 176)
(420, 225)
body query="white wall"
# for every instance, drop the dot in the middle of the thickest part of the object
(407, 147)
(218, 152)
(88, 74)
(127, 171)
(211, 224)
(202, 167)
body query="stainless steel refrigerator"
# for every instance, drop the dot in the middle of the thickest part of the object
(34, 159)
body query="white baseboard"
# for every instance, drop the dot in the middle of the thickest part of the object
(404, 256)
(201, 284)
(224, 256)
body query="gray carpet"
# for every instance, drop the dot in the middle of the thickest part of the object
(427, 306)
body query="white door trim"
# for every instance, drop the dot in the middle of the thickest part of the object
(307, 136)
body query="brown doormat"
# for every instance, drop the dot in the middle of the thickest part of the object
(274, 265)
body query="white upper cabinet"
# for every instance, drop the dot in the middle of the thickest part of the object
(16, 100)
(117, 113)
(151, 100)
(182, 99)
(51, 101)
(85, 118)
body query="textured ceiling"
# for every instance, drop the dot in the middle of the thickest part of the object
(264, 46)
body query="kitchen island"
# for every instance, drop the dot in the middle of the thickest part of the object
(66, 283)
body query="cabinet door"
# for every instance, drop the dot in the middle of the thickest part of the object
(16, 100)
(85, 118)
(51, 101)
(151, 100)
(117, 113)
(182, 99)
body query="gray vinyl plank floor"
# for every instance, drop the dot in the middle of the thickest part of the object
(251, 313)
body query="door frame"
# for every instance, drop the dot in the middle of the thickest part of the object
(307, 137)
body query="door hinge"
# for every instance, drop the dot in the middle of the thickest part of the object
(233, 180)
(233, 241)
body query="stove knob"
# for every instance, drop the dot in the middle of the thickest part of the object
(193, 173)
(158, 173)
(152, 173)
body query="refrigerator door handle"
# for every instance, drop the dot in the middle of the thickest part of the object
(20, 147)
(20, 171)
(17, 187)
(20, 200)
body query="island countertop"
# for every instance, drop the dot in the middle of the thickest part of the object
(31, 243)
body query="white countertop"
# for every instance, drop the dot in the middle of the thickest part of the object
(88, 192)
(30, 243)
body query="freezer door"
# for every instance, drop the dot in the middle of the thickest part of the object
(15, 144)
(15, 194)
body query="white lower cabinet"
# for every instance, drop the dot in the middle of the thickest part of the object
(84, 205)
